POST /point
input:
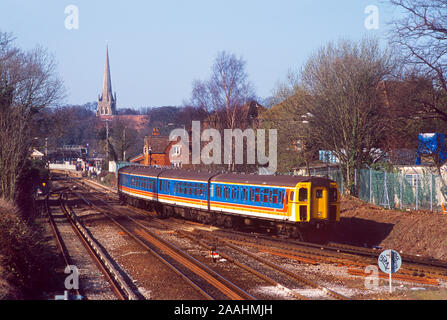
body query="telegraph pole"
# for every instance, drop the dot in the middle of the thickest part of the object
(107, 139)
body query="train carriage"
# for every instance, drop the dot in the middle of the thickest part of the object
(229, 199)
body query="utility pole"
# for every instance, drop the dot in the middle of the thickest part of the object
(124, 144)
(107, 138)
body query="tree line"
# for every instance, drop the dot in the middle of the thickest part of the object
(28, 84)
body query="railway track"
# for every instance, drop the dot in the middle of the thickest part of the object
(416, 269)
(196, 238)
(314, 253)
(76, 292)
(118, 285)
(210, 284)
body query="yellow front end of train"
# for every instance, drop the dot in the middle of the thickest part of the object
(316, 204)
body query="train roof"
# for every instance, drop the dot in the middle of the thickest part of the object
(168, 173)
(289, 181)
(147, 171)
(188, 175)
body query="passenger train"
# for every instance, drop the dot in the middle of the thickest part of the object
(288, 204)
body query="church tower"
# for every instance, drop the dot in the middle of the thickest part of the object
(106, 101)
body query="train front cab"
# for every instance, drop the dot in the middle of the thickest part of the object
(316, 204)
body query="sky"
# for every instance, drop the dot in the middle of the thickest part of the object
(158, 48)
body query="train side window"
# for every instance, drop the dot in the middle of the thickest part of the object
(234, 193)
(302, 195)
(292, 194)
(227, 192)
(265, 195)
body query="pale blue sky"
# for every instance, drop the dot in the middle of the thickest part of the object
(157, 48)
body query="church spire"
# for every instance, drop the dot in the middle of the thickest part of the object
(107, 83)
(106, 102)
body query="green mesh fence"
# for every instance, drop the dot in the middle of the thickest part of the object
(397, 190)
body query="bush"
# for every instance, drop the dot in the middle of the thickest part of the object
(24, 258)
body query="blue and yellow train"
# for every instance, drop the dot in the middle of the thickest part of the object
(287, 203)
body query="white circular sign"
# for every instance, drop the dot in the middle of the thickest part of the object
(390, 261)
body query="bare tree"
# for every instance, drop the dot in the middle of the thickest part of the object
(28, 83)
(122, 137)
(344, 104)
(225, 93)
(421, 37)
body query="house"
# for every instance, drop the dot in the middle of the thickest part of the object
(160, 151)
(37, 155)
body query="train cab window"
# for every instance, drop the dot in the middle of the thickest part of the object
(302, 195)
(292, 194)
(319, 194)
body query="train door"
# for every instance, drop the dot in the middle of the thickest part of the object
(319, 202)
(303, 204)
(290, 202)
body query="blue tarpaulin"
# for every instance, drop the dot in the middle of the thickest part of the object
(431, 143)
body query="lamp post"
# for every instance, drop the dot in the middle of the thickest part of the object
(150, 157)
